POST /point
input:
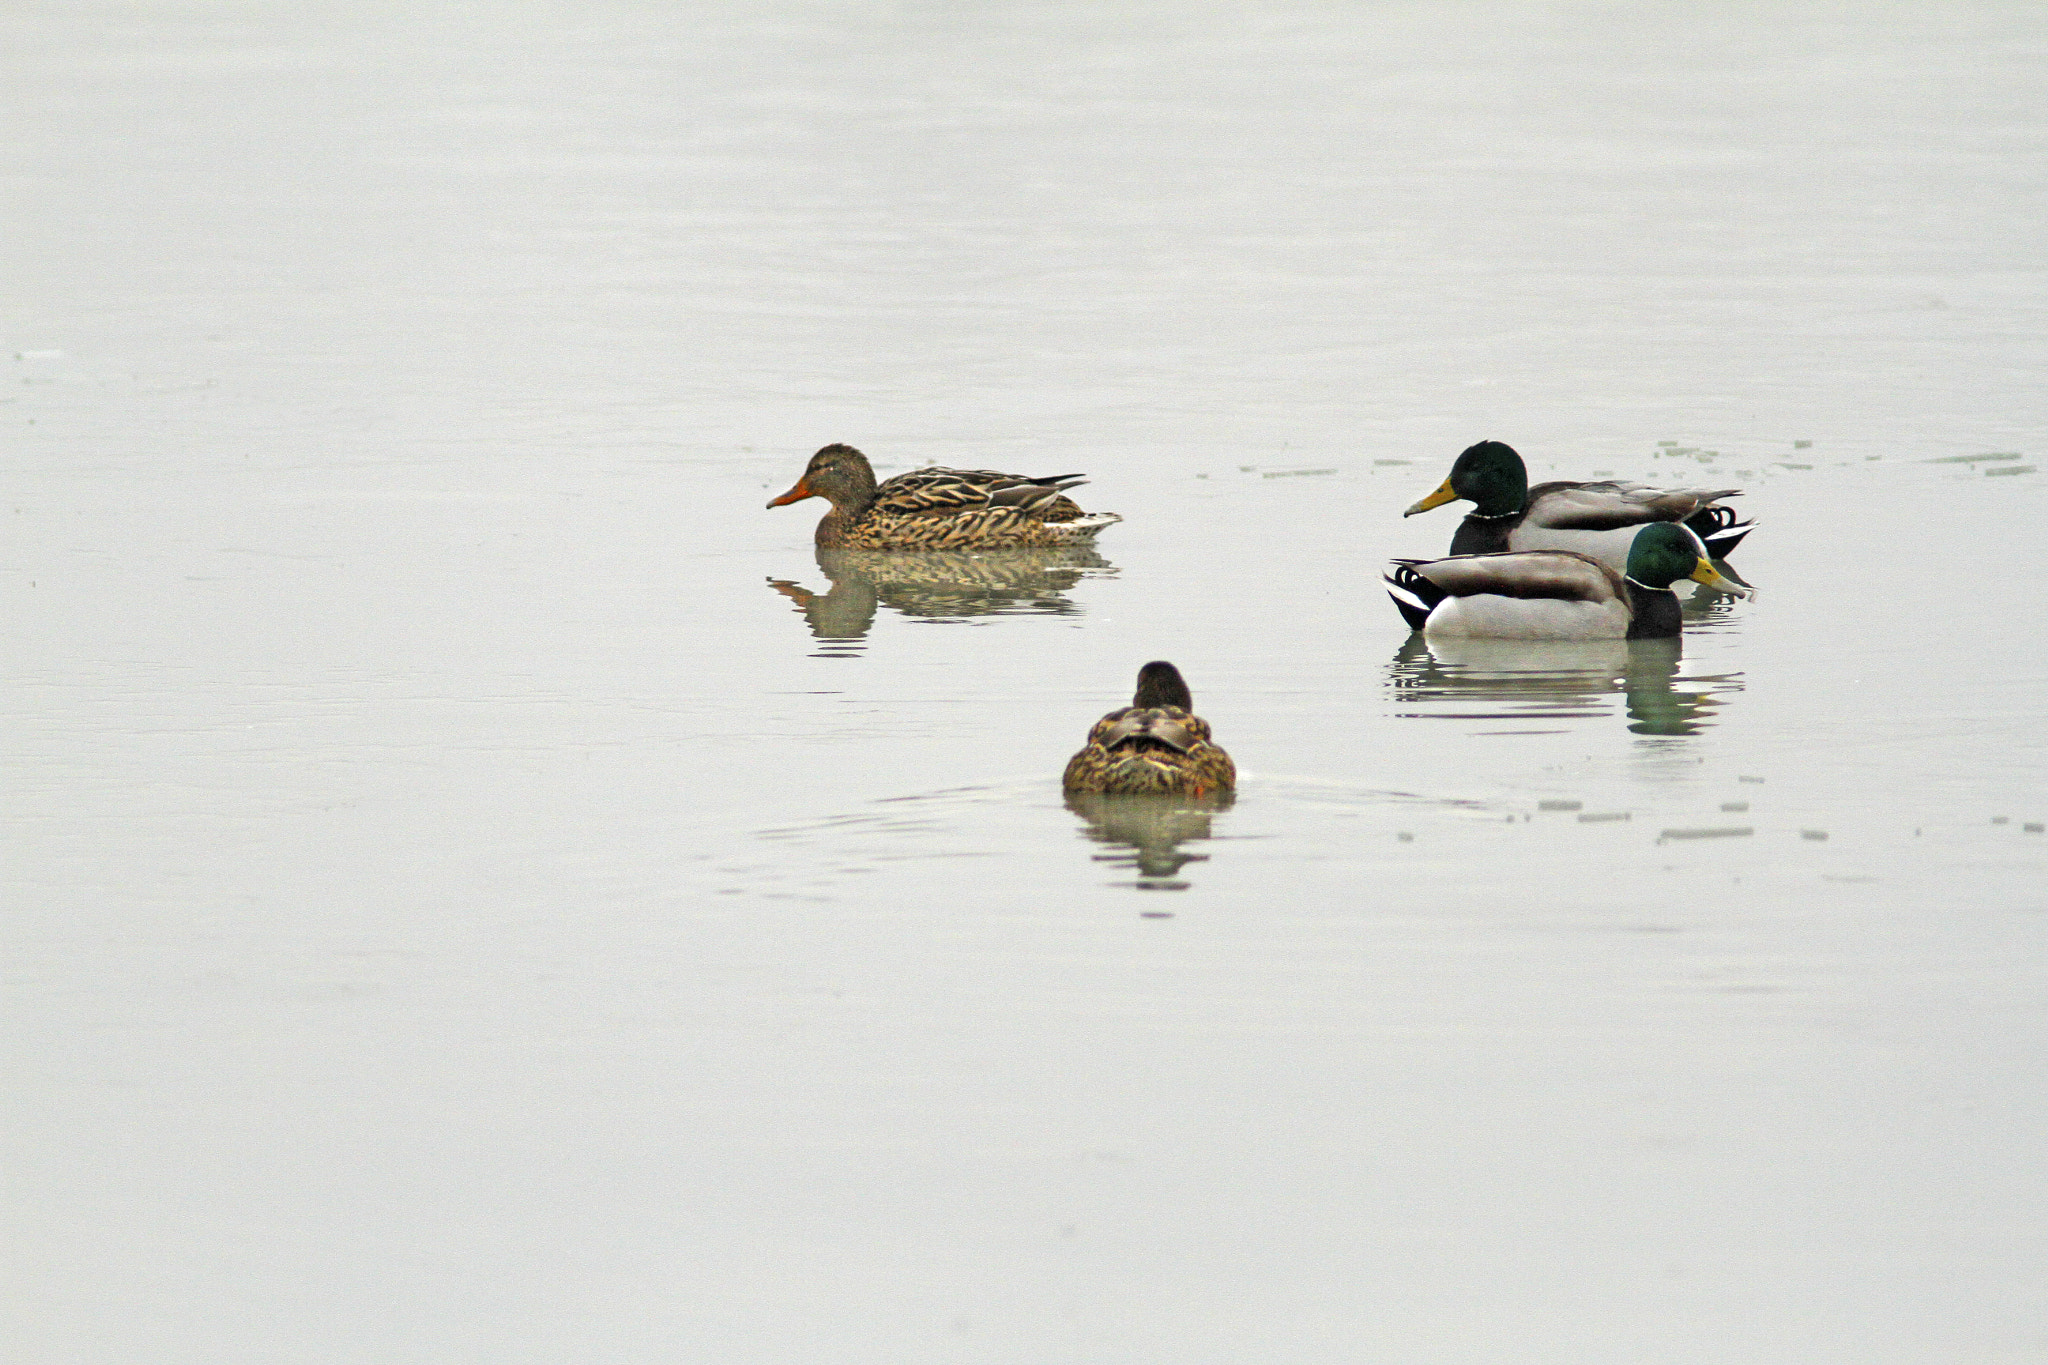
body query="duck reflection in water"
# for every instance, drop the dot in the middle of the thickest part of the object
(1147, 831)
(1547, 680)
(938, 585)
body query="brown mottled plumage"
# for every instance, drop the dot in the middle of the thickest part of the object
(1155, 745)
(940, 509)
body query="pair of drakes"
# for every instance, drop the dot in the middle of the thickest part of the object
(1564, 561)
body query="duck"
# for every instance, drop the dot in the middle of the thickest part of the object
(1155, 746)
(940, 509)
(1557, 594)
(1597, 519)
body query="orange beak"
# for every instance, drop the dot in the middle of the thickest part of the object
(797, 493)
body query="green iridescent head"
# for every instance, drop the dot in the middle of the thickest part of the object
(1490, 475)
(1665, 551)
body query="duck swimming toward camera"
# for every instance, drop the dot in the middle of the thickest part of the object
(1597, 519)
(1157, 745)
(1557, 594)
(941, 509)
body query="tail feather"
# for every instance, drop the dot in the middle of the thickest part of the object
(1086, 526)
(1719, 529)
(1415, 597)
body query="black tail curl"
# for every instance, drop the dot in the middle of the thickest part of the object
(1414, 596)
(1719, 528)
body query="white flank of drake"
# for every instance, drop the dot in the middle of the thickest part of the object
(1491, 617)
(1609, 547)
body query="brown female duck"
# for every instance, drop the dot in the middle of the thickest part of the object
(940, 509)
(1156, 745)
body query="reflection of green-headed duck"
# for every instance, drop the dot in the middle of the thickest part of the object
(1157, 744)
(1557, 595)
(1597, 519)
(940, 509)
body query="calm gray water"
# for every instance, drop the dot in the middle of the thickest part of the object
(480, 889)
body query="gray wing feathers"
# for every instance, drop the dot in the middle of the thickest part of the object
(1558, 574)
(1168, 725)
(1608, 506)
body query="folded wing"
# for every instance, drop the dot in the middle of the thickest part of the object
(1610, 506)
(944, 491)
(1557, 574)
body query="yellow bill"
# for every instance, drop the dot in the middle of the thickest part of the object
(1705, 572)
(1437, 499)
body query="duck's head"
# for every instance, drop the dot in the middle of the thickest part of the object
(1489, 474)
(839, 474)
(1160, 684)
(1665, 551)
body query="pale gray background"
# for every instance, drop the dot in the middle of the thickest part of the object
(457, 912)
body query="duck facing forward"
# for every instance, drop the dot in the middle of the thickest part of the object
(1597, 519)
(1557, 594)
(1157, 745)
(940, 509)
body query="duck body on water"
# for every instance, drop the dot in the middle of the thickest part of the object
(941, 509)
(1155, 746)
(1595, 519)
(1557, 594)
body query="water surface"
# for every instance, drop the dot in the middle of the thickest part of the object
(482, 889)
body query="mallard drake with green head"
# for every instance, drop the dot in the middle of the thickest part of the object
(1557, 594)
(940, 509)
(1157, 745)
(1597, 519)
